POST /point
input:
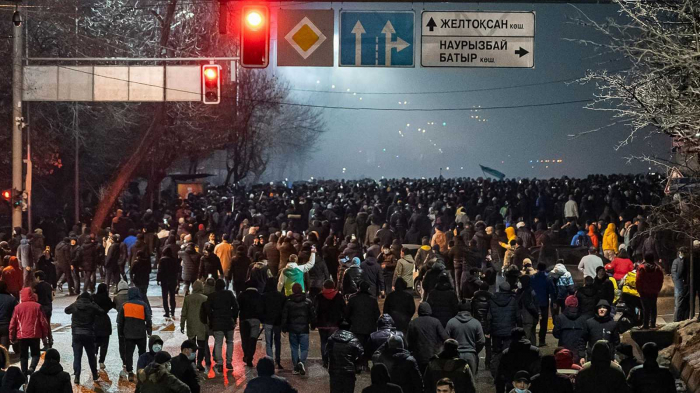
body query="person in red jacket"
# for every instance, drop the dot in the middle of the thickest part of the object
(28, 327)
(650, 279)
(621, 265)
(12, 275)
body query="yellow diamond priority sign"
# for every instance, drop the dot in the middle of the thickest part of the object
(304, 38)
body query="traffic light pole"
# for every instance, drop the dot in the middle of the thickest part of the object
(17, 120)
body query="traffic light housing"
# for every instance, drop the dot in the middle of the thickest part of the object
(255, 36)
(211, 84)
(7, 195)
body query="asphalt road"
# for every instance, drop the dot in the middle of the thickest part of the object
(316, 379)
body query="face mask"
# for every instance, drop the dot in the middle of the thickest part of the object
(191, 356)
(157, 348)
(521, 390)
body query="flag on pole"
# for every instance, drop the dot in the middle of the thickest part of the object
(490, 171)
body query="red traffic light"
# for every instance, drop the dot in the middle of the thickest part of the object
(211, 84)
(255, 36)
(211, 73)
(7, 195)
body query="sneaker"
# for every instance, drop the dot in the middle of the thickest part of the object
(60, 289)
(302, 369)
(123, 374)
(132, 377)
(76, 380)
(30, 371)
(295, 371)
(102, 366)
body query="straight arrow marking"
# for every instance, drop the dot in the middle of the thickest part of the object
(431, 24)
(358, 30)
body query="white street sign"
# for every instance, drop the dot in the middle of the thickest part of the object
(478, 39)
(493, 52)
(478, 24)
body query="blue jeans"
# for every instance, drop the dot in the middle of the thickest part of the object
(273, 334)
(219, 343)
(299, 343)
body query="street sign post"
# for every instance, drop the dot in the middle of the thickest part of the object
(478, 39)
(377, 38)
(305, 38)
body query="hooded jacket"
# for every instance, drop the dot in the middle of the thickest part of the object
(402, 367)
(587, 300)
(443, 301)
(88, 256)
(467, 331)
(221, 309)
(168, 269)
(452, 367)
(373, 275)
(650, 279)
(343, 350)
(425, 335)
(563, 282)
(210, 265)
(190, 263)
(329, 308)
(404, 269)
(294, 274)
(103, 324)
(602, 376)
(610, 238)
(274, 304)
(134, 318)
(400, 305)
(149, 356)
(84, 313)
(63, 254)
(599, 328)
(28, 321)
(155, 378)
(362, 312)
(24, 253)
(621, 266)
(12, 275)
(385, 330)
(122, 295)
(480, 305)
(251, 305)
(50, 378)
(568, 328)
(7, 308)
(503, 314)
(651, 378)
(352, 277)
(191, 308)
(520, 355)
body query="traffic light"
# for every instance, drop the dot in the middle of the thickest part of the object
(7, 195)
(255, 36)
(211, 84)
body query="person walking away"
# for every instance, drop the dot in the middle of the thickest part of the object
(600, 327)
(103, 324)
(50, 377)
(121, 297)
(467, 331)
(267, 381)
(403, 367)
(650, 279)
(548, 380)
(157, 378)
(545, 293)
(587, 297)
(83, 314)
(627, 360)
(252, 310)
(404, 270)
(385, 330)
(224, 251)
(527, 308)
(329, 307)
(221, 311)
(210, 264)
(112, 261)
(88, 255)
(590, 263)
(425, 336)
(168, 268)
(621, 265)
(190, 265)
(568, 326)
(12, 275)
(373, 275)
(680, 273)
(610, 242)
(343, 350)
(381, 381)
(134, 325)
(480, 310)
(155, 345)
(44, 295)
(502, 316)
(7, 308)
(387, 261)
(13, 380)
(181, 365)
(297, 315)
(650, 377)
(272, 319)
(294, 274)
(47, 265)
(443, 300)
(240, 264)
(448, 364)
(362, 312)
(140, 273)
(603, 376)
(197, 331)
(28, 326)
(563, 283)
(400, 304)
(520, 355)
(26, 260)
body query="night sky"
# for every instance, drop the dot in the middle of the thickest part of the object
(370, 143)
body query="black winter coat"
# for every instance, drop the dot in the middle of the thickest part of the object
(568, 328)
(480, 305)
(425, 335)
(274, 303)
(103, 324)
(221, 310)
(141, 271)
(518, 356)
(401, 306)
(650, 378)
(403, 369)
(298, 314)
(50, 378)
(362, 312)
(88, 256)
(183, 369)
(351, 280)
(211, 264)
(587, 300)
(373, 275)
(252, 305)
(343, 350)
(503, 315)
(190, 263)
(596, 329)
(444, 302)
(168, 269)
(551, 383)
(83, 313)
(330, 309)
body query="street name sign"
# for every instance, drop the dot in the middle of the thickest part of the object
(377, 38)
(478, 39)
(305, 38)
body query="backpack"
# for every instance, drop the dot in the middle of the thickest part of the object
(582, 241)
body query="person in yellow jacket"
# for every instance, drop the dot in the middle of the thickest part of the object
(510, 233)
(630, 295)
(610, 243)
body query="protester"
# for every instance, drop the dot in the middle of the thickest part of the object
(362, 313)
(381, 381)
(197, 331)
(548, 380)
(155, 345)
(28, 327)
(103, 323)
(425, 336)
(267, 381)
(545, 293)
(467, 331)
(272, 322)
(181, 365)
(329, 308)
(44, 295)
(520, 355)
(403, 368)
(156, 377)
(448, 364)
(600, 327)
(502, 316)
(221, 311)
(50, 377)
(650, 377)
(602, 376)
(168, 268)
(650, 279)
(344, 350)
(297, 315)
(133, 325)
(84, 313)
(252, 311)
(590, 262)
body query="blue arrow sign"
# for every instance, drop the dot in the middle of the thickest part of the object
(376, 38)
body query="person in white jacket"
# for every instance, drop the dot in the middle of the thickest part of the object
(293, 273)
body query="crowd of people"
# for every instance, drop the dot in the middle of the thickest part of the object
(458, 266)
